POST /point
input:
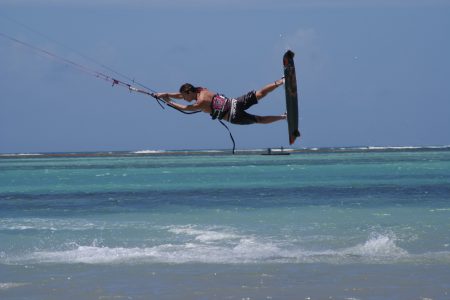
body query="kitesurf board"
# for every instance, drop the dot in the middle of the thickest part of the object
(290, 85)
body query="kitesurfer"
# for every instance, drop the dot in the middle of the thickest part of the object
(220, 107)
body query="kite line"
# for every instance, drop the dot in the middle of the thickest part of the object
(134, 86)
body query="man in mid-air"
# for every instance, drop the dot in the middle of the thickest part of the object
(221, 107)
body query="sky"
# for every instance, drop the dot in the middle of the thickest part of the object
(370, 72)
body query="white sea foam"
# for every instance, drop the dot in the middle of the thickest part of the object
(246, 251)
(148, 151)
(391, 147)
(378, 247)
(402, 147)
(213, 244)
(20, 154)
(10, 285)
(210, 151)
(103, 174)
(224, 246)
(202, 234)
(46, 224)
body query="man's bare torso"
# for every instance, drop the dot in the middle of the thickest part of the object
(204, 99)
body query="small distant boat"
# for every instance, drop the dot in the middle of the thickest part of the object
(280, 151)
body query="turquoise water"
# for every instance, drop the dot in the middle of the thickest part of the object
(347, 224)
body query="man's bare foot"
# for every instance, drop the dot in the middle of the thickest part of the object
(279, 81)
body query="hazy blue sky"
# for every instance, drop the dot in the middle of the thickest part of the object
(371, 72)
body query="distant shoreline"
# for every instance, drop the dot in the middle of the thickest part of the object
(226, 151)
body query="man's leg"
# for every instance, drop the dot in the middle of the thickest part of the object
(270, 119)
(269, 88)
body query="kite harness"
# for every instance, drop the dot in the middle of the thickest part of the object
(220, 105)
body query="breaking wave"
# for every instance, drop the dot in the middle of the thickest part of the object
(223, 246)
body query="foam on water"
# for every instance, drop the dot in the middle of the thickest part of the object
(380, 246)
(46, 224)
(202, 235)
(149, 151)
(225, 245)
(20, 154)
(10, 285)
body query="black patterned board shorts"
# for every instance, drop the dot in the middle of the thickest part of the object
(238, 114)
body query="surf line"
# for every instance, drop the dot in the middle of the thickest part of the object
(97, 74)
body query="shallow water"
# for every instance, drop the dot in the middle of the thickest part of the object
(365, 224)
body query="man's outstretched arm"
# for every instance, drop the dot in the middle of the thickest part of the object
(167, 96)
(193, 107)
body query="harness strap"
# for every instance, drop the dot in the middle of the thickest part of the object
(231, 136)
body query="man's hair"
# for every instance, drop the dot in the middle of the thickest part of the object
(187, 88)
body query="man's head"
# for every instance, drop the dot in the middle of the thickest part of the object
(188, 91)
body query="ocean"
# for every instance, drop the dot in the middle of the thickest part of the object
(336, 223)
